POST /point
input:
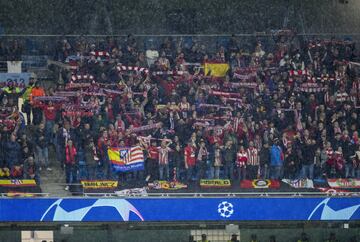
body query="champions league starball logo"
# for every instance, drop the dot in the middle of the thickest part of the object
(225, 209)
(326, 210)
(70, 210)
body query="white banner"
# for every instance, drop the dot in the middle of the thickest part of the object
(132, 192)
(344, 183)
(14, 66)
(299, 183)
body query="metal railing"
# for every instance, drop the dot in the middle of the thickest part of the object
(225, 194)
(190, 195)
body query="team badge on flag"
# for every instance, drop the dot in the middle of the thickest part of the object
(127, 158)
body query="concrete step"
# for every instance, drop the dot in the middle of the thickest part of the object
(53, 182)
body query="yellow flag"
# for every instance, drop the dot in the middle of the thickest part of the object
(114, 156)
(216, 69)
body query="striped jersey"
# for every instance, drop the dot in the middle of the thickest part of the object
(253, 157)
(241, 158)
(164, 155)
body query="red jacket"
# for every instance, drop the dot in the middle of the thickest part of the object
(190, 154)
(153, 153)
(70, 153)
(49, 111)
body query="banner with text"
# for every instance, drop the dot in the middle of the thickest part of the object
(99, 184)
(215, 183)
(16, 79)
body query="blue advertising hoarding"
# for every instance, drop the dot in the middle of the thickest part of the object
(178, 209)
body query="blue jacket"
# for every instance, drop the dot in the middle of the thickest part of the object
(275, 154)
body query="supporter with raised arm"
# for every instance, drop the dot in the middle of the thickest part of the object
(298, 90)
(50, 109)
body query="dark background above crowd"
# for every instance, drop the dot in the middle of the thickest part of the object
(179, 16)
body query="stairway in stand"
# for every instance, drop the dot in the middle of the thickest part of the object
(53, 182)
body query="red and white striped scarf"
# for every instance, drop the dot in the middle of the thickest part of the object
(286, 142)
(245, 76)
(163, 155)
(241, 158)
(202, 153)
(295, 73)
(311, 87)
(299, 126)
(326, 78)
(205, 105)
(85, 77)
(50, 98)
(145, 127)
(121, 68)
(66, 94)
(201, 124)
(327, 97)
(242, 70)
(251, 85)
(217, 129)
(237, 101)
(113, 92)
(224, 94)
(169, 73)
(236, 123)
(298, 73)
(77, 114)
(71, 85)
(341, 96)
(323, 43)
(100, 53)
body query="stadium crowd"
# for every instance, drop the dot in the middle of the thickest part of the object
(287, 110)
